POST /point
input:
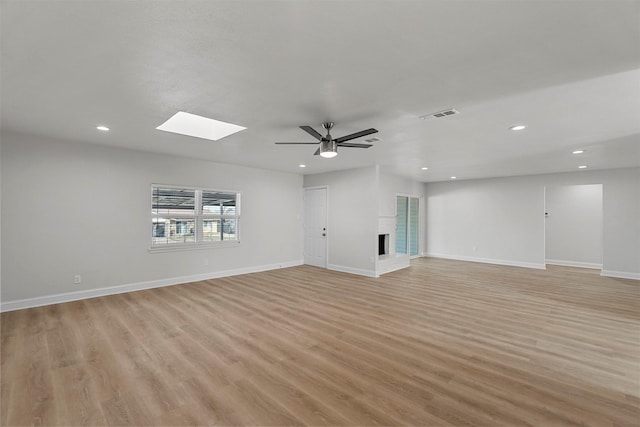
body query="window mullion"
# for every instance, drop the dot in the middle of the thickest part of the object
(198, 212)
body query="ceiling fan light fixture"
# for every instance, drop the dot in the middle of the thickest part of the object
(328, 148)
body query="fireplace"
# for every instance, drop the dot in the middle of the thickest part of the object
(383, 244)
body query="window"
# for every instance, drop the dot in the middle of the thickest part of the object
(187, 217)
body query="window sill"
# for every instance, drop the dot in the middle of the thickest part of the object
(193, 247)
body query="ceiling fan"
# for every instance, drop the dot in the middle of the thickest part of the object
(329, 146)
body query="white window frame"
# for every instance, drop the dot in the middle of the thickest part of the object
(199, 218)
(409, 229)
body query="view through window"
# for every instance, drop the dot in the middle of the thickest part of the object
(192, 216)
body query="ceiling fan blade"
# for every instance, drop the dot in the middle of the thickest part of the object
(305, 143)
(353, 145)
(355, 135)
(317, 152)
(311, 131)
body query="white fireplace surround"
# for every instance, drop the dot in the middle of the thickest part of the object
(390, 261)
(383, 244)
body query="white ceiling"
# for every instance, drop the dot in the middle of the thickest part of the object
(570, 70)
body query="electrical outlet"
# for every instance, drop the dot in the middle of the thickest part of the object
(77, 279)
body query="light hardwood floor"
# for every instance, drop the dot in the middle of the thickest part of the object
(441, 343)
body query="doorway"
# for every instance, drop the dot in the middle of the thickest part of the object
(315, 226)
(408, 225)
(573, 225)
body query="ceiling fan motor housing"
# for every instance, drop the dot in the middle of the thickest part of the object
(328, 147)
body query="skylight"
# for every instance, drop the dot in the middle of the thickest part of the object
(198, 126)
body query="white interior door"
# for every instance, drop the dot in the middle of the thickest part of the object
(315, 227)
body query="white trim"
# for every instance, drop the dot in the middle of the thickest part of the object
(112, 290)
(358, 271)
(175, 247)
(315, 187)
(573, 263)
(488, 260)
(620, 274)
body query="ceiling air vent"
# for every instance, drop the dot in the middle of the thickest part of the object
(440, 114)
(374, 139)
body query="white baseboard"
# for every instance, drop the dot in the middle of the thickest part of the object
(112, 290)
(487, 260)
(574, 263)
(358, 271)
(620, 274)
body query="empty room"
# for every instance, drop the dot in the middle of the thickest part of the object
(337, 213)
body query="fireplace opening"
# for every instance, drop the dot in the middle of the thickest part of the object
(383, 244)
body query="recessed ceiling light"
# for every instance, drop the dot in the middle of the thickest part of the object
(424, 168)
(518, 127)
(302, 166)
(454, 177)
(582, 167)
(199, 127)
(578, 152)
(102, 128)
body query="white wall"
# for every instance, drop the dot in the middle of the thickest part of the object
(496, 220)
(70, 208)
(502, 220)
(573, 225)
(0, 217)
(359, 201)
(352, 218)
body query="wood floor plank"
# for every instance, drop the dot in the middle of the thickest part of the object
(78, 406)
(441, 343)
(31, 400)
